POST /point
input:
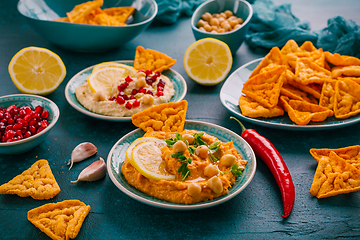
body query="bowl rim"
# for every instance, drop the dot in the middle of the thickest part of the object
(246, 22)
(48, 128)
(151, 18)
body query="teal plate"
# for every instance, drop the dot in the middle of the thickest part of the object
(231, 91)
(177, 80)
(117, 156)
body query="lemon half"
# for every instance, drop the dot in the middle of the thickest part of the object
(36, 70)
(145, 155)
(131, 71)
(208, 61)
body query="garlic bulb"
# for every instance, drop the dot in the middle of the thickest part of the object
(93, 172)
(82, 152)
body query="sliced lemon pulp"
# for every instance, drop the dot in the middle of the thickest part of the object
(36, 70)
(130, 71)
(208, 61)
(146, 158)
(104, 79)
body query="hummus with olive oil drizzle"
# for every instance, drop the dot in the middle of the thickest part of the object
(139, 94)
(205, 175)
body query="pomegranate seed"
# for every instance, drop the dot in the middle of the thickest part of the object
(128, 105)
(159, 93)
(44, 123)
(39, 129)
(23, 129)
(19, 133)
(148, 72)
(22, 113)
(136, 103)
(161, 83)
(17, 126)
(10, 134)
(11, 121)
(120, 100)
(126, 97)
(9, 127)
(27, 134)
(142, 90)
(22, 122)
(124, 85)
(132, 97)
(134, 92)
(27, 109)
(112, 98)
(2, 128)
(141, 70)
(1, 115)
(157, 74)
(32, 129)
(160, 89)
(150, 92)
(32, 122)
(39, 109)
(27, 117)
(128, 79)
(3, 120)
(45, 114)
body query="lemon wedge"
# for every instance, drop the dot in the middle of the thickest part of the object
(146, 158)
(208, 61)
(36, 70)
(131, 71)
(104, 79)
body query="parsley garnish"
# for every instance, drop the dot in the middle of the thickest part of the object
(170, 142)
(235, 169)
(197, 139)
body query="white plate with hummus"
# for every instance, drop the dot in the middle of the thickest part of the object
(231, 91)
(178, 83)
(117, 156)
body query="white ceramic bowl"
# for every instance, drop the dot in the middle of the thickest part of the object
(26, 144)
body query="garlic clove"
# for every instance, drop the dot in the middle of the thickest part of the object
(82, 152)
(93, 172)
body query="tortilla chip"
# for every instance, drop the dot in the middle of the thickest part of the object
(166, 117)
(37, 182)
(302, 112)
(121, 14)
(274, 57)
(152, 60)
(297, 94)
(341, 60)
(334, 176)
(345, 71)
(81, 11)
(265, 87)
(290, 47)
(351, 154)
(347, 98)
(60, 221)
(328, 94)
(253, 109)
(307, 71)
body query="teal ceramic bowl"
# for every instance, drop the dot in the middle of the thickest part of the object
(40, 15)
(233, 39)
(26, 144)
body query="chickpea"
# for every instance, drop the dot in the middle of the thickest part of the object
(140, 74)
(221, 30)
(237, 26)
(215, 185)
(223, 15)
(228, 13)
(147, 99)
(227, 160)
(214, 28)
(201, 23)
(216, 15)
(194, 189)
(221, 19)
(226, 25)
(211, 170)
(179, 146)
(188, 137)
(202, 151)
(99, 96)
(140, 82)
(206, 17)
(214, 22)
(232, 22)
(233, 18)
(208, 28)
(240, 21)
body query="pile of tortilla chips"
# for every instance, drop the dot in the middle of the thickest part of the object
(305, 82)
(91, 13)
(338, 171)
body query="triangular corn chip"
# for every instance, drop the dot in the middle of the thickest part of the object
(37, 182)
(307, 71)
(302, 112)
(121, 14)
(334, 176)
(81, 11)
(312, 88)
(265, 87)
(274, 57)
(290, 47)
(60, 221)
(148, 59)
(328, 94)
(253, 109)
(341, 60)
(166, 117)
(347, 98)
(297, 94)
(345, 71)
(351, 154)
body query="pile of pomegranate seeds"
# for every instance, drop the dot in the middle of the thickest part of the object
(150, 78)
(17, 123)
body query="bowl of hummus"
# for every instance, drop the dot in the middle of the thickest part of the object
(78, 94)
(174, 193)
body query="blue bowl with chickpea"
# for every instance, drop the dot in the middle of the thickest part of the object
(225, 20)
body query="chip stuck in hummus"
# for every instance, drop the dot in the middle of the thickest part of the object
(182, 166)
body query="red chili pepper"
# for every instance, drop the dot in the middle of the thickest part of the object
(264, 149)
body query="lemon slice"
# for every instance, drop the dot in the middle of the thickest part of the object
(104, 78)
(36, 70)
(208, 61)
(131, 71)
(146, 158)
(160, 143)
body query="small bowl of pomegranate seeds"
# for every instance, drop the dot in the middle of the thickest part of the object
(25, 121)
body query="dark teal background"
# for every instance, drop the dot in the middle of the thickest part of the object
(253, 214)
